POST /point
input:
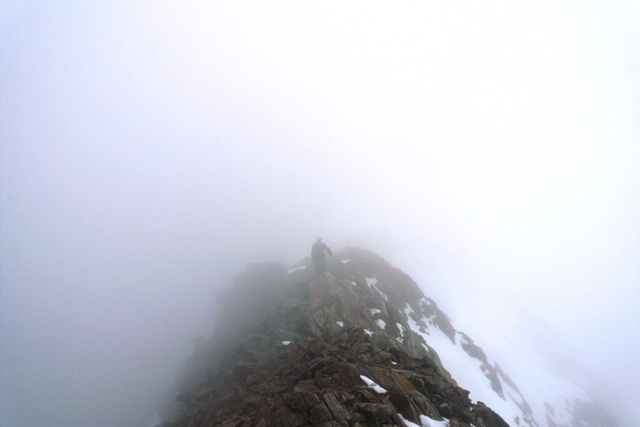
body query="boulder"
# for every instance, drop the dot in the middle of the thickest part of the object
(337, 410)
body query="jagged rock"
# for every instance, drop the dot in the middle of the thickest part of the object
(347, 372)
(424, 405)
(301, 402)
(337, 410)
(382, 357)
(319, 414)
(489, 418)
(404, 406)
(375, 413)
(362, 348)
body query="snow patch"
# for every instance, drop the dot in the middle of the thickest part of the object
(340, 323)
(374, 311)
(401, 329)
(402, 332)
(368, 332)
(302, 267)
(425, 422)
(384, 296)
(344, 261)
(381, 323)
(372, 281)
(353, 283)
(286, 342)
(372, 384)
(407, 422)
(430, 422)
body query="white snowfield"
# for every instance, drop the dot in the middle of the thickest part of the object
(544, 385)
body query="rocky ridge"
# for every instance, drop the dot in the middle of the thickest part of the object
(351, 348)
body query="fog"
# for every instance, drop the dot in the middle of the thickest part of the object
(151, 150)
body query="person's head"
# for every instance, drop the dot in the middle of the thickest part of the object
(319, 239)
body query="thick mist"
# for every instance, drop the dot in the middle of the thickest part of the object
(151, 151)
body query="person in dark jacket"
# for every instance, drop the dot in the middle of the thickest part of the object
(317, 255)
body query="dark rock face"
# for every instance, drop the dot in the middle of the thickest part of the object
(308, 353)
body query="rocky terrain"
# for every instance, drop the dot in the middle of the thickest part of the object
(351, 348)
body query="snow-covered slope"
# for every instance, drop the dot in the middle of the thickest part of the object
(556, 402)
(482, 376)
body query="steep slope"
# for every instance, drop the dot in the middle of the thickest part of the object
(361, 345)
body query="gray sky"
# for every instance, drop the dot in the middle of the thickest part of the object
(150, 151)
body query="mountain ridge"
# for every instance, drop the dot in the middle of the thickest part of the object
(359, 346)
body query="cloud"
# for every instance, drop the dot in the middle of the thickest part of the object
(150, 154)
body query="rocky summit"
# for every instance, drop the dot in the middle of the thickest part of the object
(358, 346)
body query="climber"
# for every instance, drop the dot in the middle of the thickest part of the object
(317, 255)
